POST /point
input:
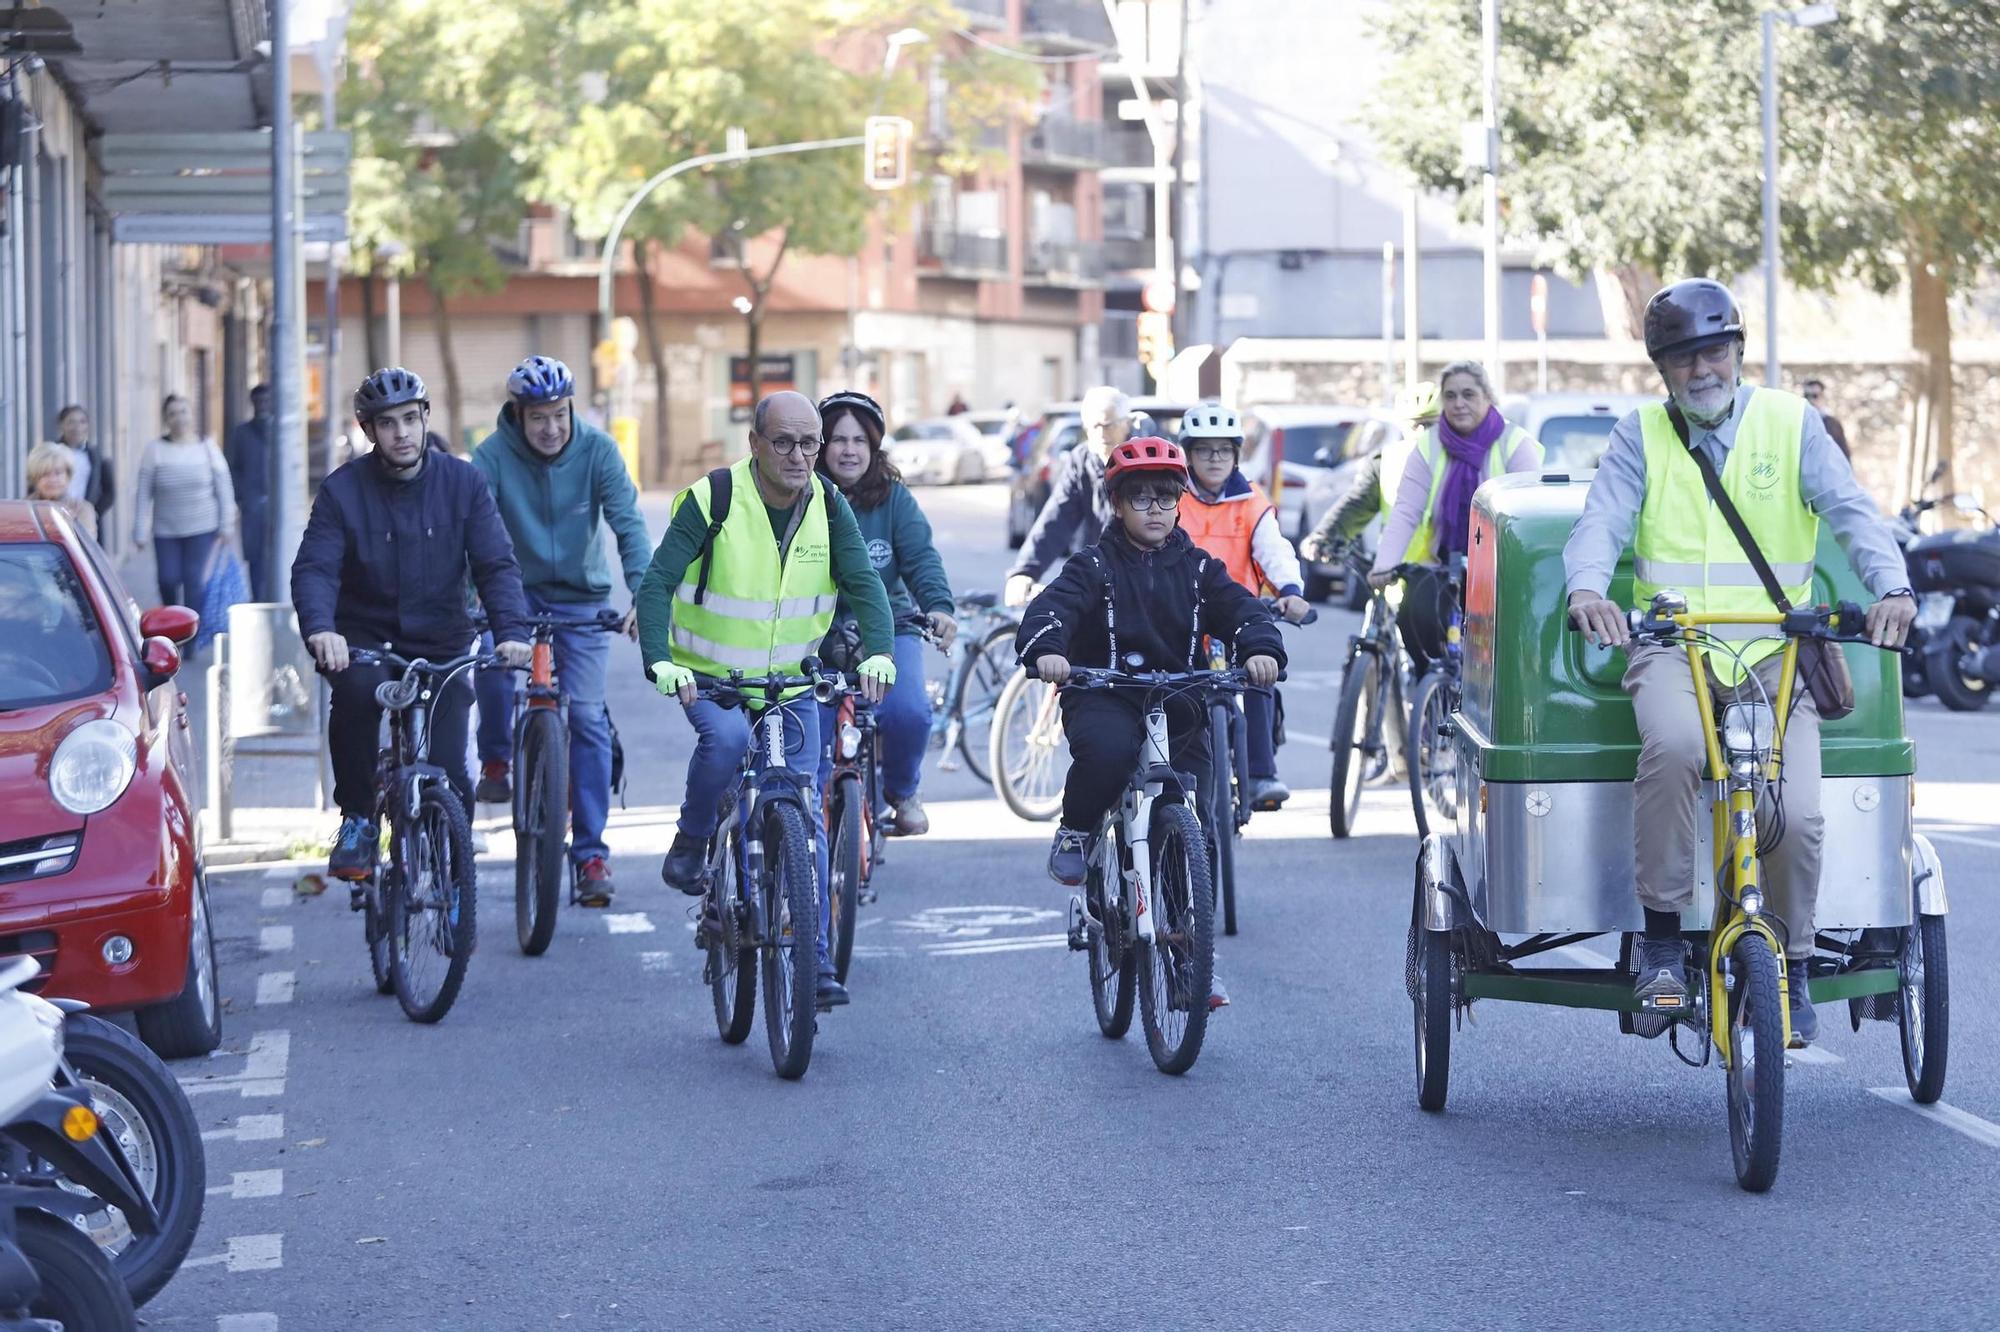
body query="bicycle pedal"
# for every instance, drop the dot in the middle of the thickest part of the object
(866, 897)
(357, 897)
(1079, 924)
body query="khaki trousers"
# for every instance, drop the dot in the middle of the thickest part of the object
(1665, 803)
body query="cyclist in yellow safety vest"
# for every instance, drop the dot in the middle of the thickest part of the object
(757, 597)
(1783, 474)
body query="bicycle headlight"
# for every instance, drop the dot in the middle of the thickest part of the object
(93, 766)
(850, 741)
(1747, 730)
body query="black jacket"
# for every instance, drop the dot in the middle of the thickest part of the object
(385, 561)
(1154, 598)
(100, 488)
(1076, 514)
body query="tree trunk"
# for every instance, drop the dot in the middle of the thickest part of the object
(1622, 292)
(371, 335)
(656, 348)
(1930, 438)
(753, 337)
(454, 401)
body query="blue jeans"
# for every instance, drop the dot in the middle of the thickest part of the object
(182, 564)
(721, 737)
(581, 657)
(903, 722)
(1260, 721)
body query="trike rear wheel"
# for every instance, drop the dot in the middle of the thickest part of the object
(1755, 1071)
(1433, 1015)
(1924, 1014)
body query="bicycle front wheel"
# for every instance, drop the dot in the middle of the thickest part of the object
(1180, 960)
(1351, 757)
(1027, 755)
(1434, 778)
(1219, 810)
(541, 816)
(845, 843)
(431, 910)
(790, 900)
(732, 960)
(1755, 1073)
(978, 692)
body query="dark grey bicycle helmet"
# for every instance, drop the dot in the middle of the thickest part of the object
(852, 401)
(392, 386)
(1690, 315)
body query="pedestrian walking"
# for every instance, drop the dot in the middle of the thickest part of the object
(92, 480)
(252, 465)
(51, 472)
(1815, 392)
(186, 502)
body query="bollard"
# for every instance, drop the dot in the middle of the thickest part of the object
(219, 794)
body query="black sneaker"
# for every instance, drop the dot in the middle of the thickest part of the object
(1066, 863)
(1661, 983)
(353, 855)
(686, 861)
(829, 993)
(1805, 1021)
(494, 787)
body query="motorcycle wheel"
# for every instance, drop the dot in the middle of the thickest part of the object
(79, 1287)
(1950, 684)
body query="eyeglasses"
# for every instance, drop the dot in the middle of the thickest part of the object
(1719, 354)
(1146, 501)
(1212, 452)
(785, 446)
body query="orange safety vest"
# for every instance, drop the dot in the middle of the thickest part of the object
(1223, 529)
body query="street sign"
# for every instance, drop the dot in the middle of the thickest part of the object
(886, 152)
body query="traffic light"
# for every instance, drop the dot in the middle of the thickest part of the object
(1156, 342)
(886, 152)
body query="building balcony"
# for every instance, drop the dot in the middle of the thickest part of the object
(1064, 263)
(1127, 150)
(1118, 337)
(1070, 25)
(972, 256)
(983, 13)
(1063, 143)
(1124, 254)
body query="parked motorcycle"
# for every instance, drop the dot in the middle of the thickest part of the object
(56, 1161)
(1956, 578)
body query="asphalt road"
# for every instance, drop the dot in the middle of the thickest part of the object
(573, 1147)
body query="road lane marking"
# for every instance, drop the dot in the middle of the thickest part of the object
(252, 1184)
(1813, 1054)
(274, 898)
(246, 1253)
(251, 1322)
(249, 1128)
(628, 922)
(263, 1072)
(1983, 1132)
(1014, 945)
(1316, 741)
(274, 939)
(656, 961)
(275, 987)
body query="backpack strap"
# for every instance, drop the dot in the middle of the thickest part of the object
(719, 486)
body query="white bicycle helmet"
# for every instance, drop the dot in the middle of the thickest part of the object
(1211, 423)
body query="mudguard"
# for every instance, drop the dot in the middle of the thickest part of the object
(96, 1163)
(1927, 877)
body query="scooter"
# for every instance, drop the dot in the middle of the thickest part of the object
(1956, 578)
(53, 1276)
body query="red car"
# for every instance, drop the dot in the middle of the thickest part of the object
(100, 860)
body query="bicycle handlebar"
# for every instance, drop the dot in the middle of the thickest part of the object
(766, 688)
(606, 621)
(1820, 622)
(383, 657)
(1104, 677)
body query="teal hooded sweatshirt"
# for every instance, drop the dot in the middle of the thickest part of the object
(552, 508)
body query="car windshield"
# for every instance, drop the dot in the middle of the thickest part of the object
(51, 647)
(1304, 442)
(1575, 442)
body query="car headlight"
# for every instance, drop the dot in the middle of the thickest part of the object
(1747, 729)
(93, 766)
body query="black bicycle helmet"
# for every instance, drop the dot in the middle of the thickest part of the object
(540, 380)
(1690, 315)
(392, 386)
(850, 400)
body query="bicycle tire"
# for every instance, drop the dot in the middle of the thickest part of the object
(732, 981)
(845, 864)
(1114, 971)
(541, 818)
(1180, 959)
(1433, 989)
(435, 850)
(1350, 772)
(1220, 808)
(1428, 751)
(790, 963)
(375, 928)
(1754, 1078)
(79, 1288)
(1024, 747)
(978, 691)
(1923, 1017)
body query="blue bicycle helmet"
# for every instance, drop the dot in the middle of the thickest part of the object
(540, 379)
(392, 386)
(848, 400)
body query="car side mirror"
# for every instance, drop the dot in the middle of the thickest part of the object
(161, 659)
(176, 624)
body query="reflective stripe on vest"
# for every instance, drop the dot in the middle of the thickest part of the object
(761, 614)
(1683, 542)
(1422, 542)
(1224, 529)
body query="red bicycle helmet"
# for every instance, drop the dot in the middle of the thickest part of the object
(1148, 453)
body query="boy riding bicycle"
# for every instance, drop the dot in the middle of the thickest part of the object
(1140, 599)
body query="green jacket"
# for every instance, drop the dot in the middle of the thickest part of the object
(901, 549)
(552, 507)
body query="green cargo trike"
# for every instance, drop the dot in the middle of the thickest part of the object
(1537, 777)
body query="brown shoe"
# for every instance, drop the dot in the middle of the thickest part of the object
(911, 821)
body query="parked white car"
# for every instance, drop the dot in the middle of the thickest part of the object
(1573, 427)
(943, 451)
(996, 437)
(1319, 448)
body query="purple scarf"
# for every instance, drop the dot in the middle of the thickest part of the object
(1464, 469)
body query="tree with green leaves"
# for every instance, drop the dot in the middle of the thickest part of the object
(655, 82)
(1631, 140)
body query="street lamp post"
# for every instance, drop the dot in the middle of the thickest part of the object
(1811, 16)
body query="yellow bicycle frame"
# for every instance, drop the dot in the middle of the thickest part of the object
(1735, 814)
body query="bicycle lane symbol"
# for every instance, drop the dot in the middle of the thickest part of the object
(974, 930)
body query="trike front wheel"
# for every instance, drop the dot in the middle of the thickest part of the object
(1924, 1014)
(1755, 1071)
